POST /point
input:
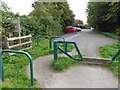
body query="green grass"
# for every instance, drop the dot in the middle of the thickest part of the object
(111, 35)
(63, 63)
(15, 66)
(108, 51)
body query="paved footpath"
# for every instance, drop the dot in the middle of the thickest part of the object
(79, 76)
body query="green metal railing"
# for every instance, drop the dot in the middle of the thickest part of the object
(53, 37)
(19, 52)
(41, 37)
(50, 38)
(56, 48)
(116, 55)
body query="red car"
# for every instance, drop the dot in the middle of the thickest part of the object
(70, 30)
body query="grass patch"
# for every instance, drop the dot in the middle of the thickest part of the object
(110, 35)
(108, 51)
(15, 66)
(63, 63)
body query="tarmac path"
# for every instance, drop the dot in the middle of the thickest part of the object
(79, 76)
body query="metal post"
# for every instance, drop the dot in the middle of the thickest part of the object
(50, 42)
(3, 72)
(55, 50)
(1, 67)
(31, 67)
(116, 55)
(78, 51)
(65, 47)
(18, 21)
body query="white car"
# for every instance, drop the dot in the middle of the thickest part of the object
(77, 28)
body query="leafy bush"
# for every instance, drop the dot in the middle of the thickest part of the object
(43, 26)
(101, 17)
(6, 21)
(49, 26)
(29, 25)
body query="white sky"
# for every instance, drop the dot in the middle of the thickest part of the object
(23, 7)
(79, 9)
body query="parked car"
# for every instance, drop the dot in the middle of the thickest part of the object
(77, 28)
(70, 30)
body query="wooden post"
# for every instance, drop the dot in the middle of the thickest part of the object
(0, 40)
(18, 20)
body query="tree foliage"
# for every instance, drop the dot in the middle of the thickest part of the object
(6, 19)
(46, 18)
(53, 17)
(104, 16)
(77, 21)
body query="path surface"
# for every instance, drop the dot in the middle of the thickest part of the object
(89, 42)
(80, 76)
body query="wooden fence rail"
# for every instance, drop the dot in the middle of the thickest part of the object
(21, 43)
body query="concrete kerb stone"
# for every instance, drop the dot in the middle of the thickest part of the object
(96, 60)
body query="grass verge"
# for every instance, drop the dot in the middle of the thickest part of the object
(63, 63)
(108, 51)
(110, 35)
(15, 66)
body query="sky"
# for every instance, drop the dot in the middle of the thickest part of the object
(79, 9)
(23, 7)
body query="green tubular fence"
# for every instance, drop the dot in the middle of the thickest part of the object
(116, 55)
(52, 37)
(19, 52)
(56, 48)
(41, 37)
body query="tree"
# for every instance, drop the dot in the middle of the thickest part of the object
(29, 25)
(56, 13)
(101, 16)
(6, 21)
(76, 22)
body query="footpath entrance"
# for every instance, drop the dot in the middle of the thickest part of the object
(92, 60)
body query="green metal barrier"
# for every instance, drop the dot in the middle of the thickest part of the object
(116, 55)
(52, 37)
(49, 38)
(19, 52)
(41, 37)
(56, 48)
